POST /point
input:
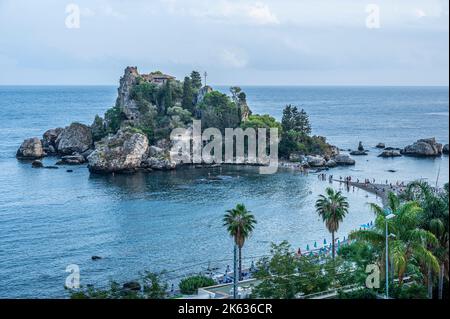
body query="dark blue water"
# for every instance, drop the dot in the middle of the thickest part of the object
(172, 220)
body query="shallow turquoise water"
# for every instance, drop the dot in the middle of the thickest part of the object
(172, 220)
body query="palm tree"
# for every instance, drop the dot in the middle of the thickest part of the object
(332, 208)
(435, 219)
(240, 224)
(410, 241)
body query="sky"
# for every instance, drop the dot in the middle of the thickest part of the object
(262, 42)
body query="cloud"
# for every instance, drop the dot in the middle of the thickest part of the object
(233, 58)
(225, 11)
(261, 14)
(250, 41)
(419, 13)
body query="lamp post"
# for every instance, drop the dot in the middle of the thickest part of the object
(389, 215)
(235, 274)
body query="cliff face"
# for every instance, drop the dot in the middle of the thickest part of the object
(124, 101)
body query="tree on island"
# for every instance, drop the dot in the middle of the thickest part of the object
(240, 224)
(167, 96)
(217, 110)
(296, 120)
(188, 95)
(332, 208)
(196, 80)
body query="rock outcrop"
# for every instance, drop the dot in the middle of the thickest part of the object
(360, 147)
(331, 163)
(202, 92)
(158, 159)
(75, 159)
(423, 148)
(121, 152)
(49, 140)
(358, 153)
(315, 161)
(380, 145)
(31, 148)
(37, 164)
(445, 149)
(76, 138)
(343, 159)
(390, 153)
(124, 100)
(297, 157)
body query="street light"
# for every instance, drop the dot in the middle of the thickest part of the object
(389, 216)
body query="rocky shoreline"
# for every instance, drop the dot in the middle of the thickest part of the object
(128, 151)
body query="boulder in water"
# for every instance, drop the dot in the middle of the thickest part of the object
(380, 145)
(37, 164)
(315, 161)
(74, 138)
(122, 152)
(158, 163)
(331, 163)
(75, 159)
(31, 148)
(390, 153)
(343, 159)
(423, 148)
(360, 147)
(445, 149)
(49, 140)
(358, 153)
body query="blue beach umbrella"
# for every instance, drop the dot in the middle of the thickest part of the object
(315, 244)
(307, 247)
(324, 241)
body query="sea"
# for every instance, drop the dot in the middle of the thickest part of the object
(172, 221)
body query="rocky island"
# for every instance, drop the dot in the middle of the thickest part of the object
(135, 133)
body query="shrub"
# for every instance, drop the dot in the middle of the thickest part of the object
(358, 294)
(150, 286)
(113, 118)
(189, 286)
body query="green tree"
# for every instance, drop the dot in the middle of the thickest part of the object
(295, 120)
(283, 275)
(168, 101)
(196, 79)
(240, 223)
(217, 110)
(261, 121)
(113, 119)
(332, 208)
(188, 95)
(98, 128)
(434, 218)
(277, 273)
(410, 241)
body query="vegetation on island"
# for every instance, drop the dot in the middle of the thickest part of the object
(163, 107)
